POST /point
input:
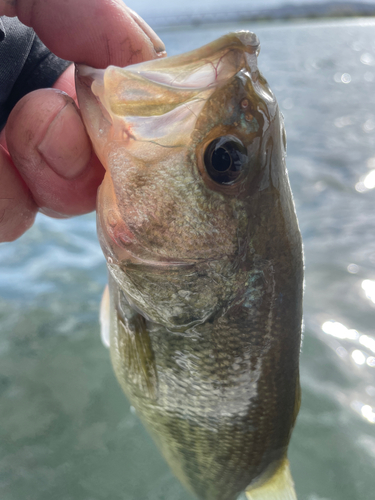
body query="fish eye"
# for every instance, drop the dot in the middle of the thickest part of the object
(225, 158)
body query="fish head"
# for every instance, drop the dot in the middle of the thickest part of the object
(188, 143)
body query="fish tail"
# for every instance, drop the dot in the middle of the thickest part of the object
(104, 317)
(280, 486)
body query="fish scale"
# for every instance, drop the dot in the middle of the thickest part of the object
(197, 221)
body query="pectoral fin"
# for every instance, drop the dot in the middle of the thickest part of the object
(278, 487)
(131, 351)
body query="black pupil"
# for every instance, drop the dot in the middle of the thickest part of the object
(221, 160)
(225, 159)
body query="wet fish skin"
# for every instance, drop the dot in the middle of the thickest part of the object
(205, 279)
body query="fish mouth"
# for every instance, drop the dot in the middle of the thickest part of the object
(145, 102)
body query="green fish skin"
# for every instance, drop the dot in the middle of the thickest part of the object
(197, 222)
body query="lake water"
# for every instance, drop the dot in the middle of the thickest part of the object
(66, 430)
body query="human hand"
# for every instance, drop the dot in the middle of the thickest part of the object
(47, 162)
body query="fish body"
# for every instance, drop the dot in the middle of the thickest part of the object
(197, 222)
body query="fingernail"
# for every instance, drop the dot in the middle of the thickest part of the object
(52, 213)
(66, 147)
(157, 43)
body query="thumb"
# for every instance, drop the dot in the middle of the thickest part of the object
(51, 150)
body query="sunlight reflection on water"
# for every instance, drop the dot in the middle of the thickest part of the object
(359, 356)
(369, 288)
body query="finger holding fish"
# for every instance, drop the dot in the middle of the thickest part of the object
(46, 139)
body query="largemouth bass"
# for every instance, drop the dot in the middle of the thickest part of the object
(197, 223)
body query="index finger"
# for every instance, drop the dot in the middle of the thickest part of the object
(93, 32)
